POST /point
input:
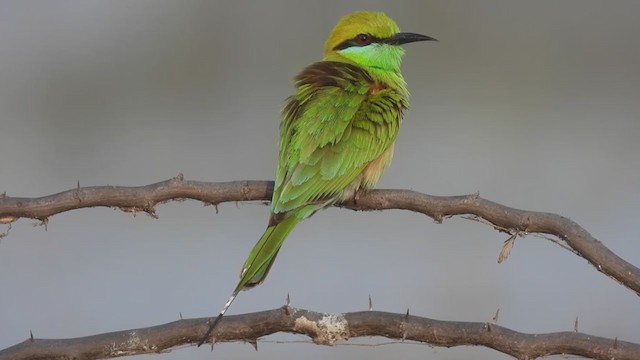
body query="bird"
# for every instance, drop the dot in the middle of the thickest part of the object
(337, 131)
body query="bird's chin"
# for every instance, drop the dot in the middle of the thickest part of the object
(379, 57)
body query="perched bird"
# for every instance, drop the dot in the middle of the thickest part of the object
(337, 131)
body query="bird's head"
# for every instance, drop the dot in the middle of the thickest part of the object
(369, 39)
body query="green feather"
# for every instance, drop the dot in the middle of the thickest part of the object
(337, 130)
(263, 254)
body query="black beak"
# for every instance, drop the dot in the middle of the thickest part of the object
(405, 38)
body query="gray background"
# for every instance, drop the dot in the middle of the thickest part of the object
(533, 104)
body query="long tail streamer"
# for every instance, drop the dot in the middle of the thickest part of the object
(217, 320)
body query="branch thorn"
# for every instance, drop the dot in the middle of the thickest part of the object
(370, 303)
(575, 325)
(31, 336)
(151, 211)
(254, 343)
(403, 325)
(495, 317)
(287, 302)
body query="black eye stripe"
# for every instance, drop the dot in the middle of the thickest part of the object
(354, 42)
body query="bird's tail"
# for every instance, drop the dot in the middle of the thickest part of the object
(264, 252)
(258, 263)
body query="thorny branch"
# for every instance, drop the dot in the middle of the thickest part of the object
(324, 329)
(503, 218)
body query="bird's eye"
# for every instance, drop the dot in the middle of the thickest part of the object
(363, 39)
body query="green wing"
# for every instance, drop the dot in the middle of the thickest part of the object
(332, 128)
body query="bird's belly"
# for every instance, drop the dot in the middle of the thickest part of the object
(372, 173)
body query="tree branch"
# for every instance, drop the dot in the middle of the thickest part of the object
(324, 329)
(503, 218)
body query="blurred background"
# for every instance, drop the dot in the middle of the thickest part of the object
(533, 104)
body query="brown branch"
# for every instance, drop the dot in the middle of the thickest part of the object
(324, 329)
(503, 218)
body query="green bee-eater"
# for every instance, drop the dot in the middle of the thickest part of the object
(337, 130)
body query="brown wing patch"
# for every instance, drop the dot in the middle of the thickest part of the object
(332, 73)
